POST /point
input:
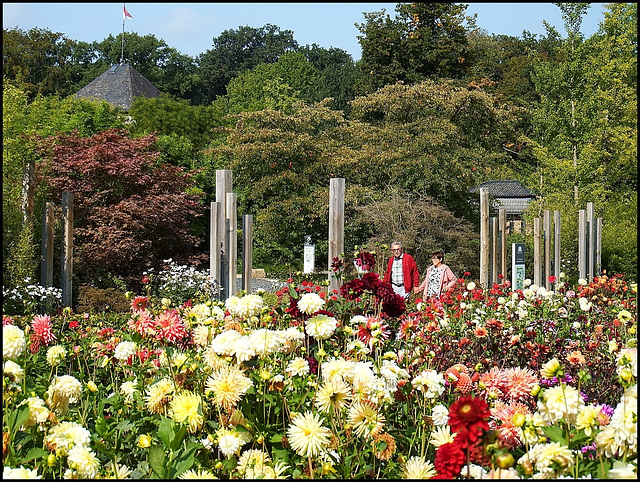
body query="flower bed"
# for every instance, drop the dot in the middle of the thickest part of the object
(303, 383)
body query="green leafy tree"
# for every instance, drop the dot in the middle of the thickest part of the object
(424, 40)
(42, 60)
(235, 51)
(585, 133)
(272, 86)
(338, 75)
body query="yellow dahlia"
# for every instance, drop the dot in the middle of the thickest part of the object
(13, 342)
(306, 434)
(84, 462)
(365, 418)
(332, 395)
(187, 407)
(158, 395)
(418, 468)
(228, 386)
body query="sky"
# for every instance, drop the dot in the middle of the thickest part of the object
(190, 27)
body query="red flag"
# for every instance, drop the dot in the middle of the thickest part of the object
(125, 14)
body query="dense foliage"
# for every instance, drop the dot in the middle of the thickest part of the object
(129, 211)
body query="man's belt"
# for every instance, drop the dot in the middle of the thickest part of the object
(397, 284)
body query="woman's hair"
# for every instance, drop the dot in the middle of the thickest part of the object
(438, 254)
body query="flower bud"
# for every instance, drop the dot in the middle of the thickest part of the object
(144, 441)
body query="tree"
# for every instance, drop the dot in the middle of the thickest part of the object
(23, 120)
(425, 40)
(425, 139)
(129, 211)
(235, 51)
(422, 226)
(40, 59)
(585, 132)
(338, 75)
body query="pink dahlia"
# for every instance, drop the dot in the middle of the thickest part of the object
(142, 322)
(502, 420)
(518, 383)
(170, 326)
(494, 382)
(7, 320)
(41, 325)
(139, 303)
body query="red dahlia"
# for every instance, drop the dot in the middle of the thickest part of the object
(449, 460)
(469, 414)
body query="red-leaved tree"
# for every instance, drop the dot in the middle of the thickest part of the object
(130, 211)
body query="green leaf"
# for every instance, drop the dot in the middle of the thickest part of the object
(157, 461)
(35, 453)
(125, 425)
(179, 436)
(165, 431)
(555, 433)
(16, 418)
(275, 438)
(182, 466)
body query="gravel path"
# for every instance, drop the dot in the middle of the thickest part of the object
(266, 284)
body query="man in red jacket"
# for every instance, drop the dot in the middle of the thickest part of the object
(402, 271)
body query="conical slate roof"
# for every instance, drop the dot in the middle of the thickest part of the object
(119, 85)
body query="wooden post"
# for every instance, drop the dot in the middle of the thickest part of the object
(232, 246)
(493, 224)
(224, 185)
(46, 264)
(247, 249)
(599, 246)
(537, 259)
(502, 229)
(590, 242)
(556, 244)
(216, 241)
(67, 249)
(582, 257)
(27, 191)
(547, 248)
(336, 226)
(484, 237)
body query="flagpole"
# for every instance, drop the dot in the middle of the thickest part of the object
(123, 20)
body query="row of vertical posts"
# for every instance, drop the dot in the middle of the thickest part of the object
(493, 244)
(46, 264)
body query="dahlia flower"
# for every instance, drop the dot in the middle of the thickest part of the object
(63, 390)
(251, 462)
(627, 360)
(232, 304)
(228, 386)
(310, 303)
(223, 343)
(124, 350)
(12, 370)
(265, 342)
(187, 406)
(450, 458)
(306, 434)
(321, 326)
(441, 435)
(231, 441)
(13, 342)
(84, 462)
(550, 369)
(518, 383)
(127, 389)
(332, 395)
(469, 414)
(418, 468)
(429, 382)
(250, 305)
(55, 355)
(200, 474)
(440, 415)
(169, 325)
(41, 325)
(201, 335)
(549, 458)
(63, 437)
(365, 418)
(157, 395)
(20, 473)
(561, 401)
(298, 366)
(38, 411)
